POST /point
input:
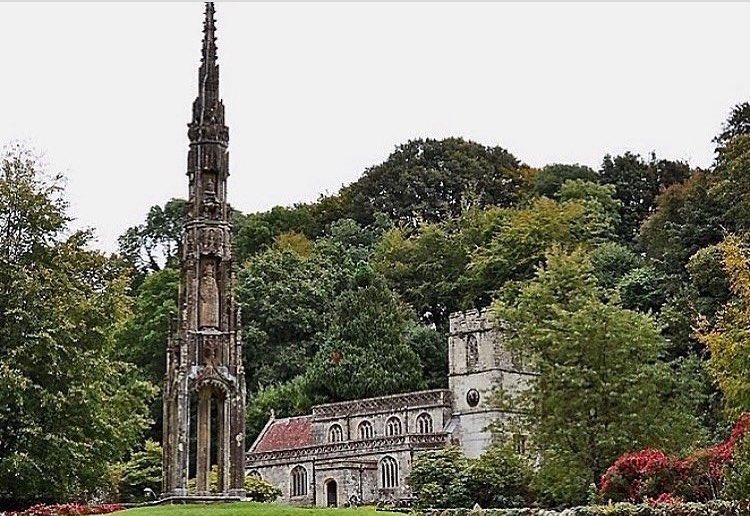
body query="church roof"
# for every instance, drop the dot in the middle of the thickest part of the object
(285, 434)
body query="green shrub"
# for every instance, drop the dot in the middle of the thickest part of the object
(561, 481)
(713, 508)
(499, 478)
(737, 474)
(142, 471)
(259, 490)
(439, 479)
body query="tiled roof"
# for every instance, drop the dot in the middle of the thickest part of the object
(286, 434)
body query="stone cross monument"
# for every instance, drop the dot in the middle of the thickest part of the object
(205, 382)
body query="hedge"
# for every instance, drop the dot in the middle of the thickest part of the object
(713, 508)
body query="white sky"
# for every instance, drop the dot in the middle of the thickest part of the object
(315, 93)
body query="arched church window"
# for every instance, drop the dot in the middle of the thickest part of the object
(388, 473)
(393, 426)
(335, 433)
(472, 352)
(365, 430)
(299, 481)
(424, 424)
(254, 473)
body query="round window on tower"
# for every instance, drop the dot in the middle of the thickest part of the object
(472, 397)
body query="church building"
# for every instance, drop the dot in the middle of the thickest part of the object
(361, 451)
(358, 451)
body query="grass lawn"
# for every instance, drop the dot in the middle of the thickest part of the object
(246, 509)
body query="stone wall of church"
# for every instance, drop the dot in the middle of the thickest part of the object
(405, 408)
(359, 478)
(350, 482)
(280, 475)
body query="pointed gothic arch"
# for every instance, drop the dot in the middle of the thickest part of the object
(298, 481)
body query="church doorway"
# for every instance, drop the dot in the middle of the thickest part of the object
(331, 493)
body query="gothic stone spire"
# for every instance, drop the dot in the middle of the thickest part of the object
(208, 110)
(204, 354)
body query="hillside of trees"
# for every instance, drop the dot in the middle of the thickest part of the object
(628, 287)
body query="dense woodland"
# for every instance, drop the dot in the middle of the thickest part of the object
(627, 287)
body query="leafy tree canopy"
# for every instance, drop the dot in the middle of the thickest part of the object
(727, 338)
(364, 352)
(738, 123)
(426, 181)
(637, 185)
(598, 366)
(153, 245)
(550, 178)
(68, 407)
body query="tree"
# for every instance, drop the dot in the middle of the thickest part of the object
(728, 338)
(153, 245)
(68, 406)
(425, 269)
(284, 298)
(524, 235)
(611, 261)
(738, 123)
(142, 339)
(499, 478)
(446, 479)
(733, 184)
(637, 184)
(426, 181)
(548, 181)
(601, 389)
(687, 218)
(600, 216)
(430, 346)
(364, 351)
(643, 289)
(256, 232)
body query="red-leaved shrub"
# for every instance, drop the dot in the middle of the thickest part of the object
(640, 475)
(653, 475)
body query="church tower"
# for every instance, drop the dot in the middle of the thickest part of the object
(204, 390)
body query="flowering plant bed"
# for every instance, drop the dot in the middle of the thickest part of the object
(67, 509)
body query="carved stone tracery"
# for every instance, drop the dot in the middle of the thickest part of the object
(206, 370)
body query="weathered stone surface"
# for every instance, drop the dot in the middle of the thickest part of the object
(204, 374)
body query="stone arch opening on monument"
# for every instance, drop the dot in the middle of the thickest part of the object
(212, 435)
